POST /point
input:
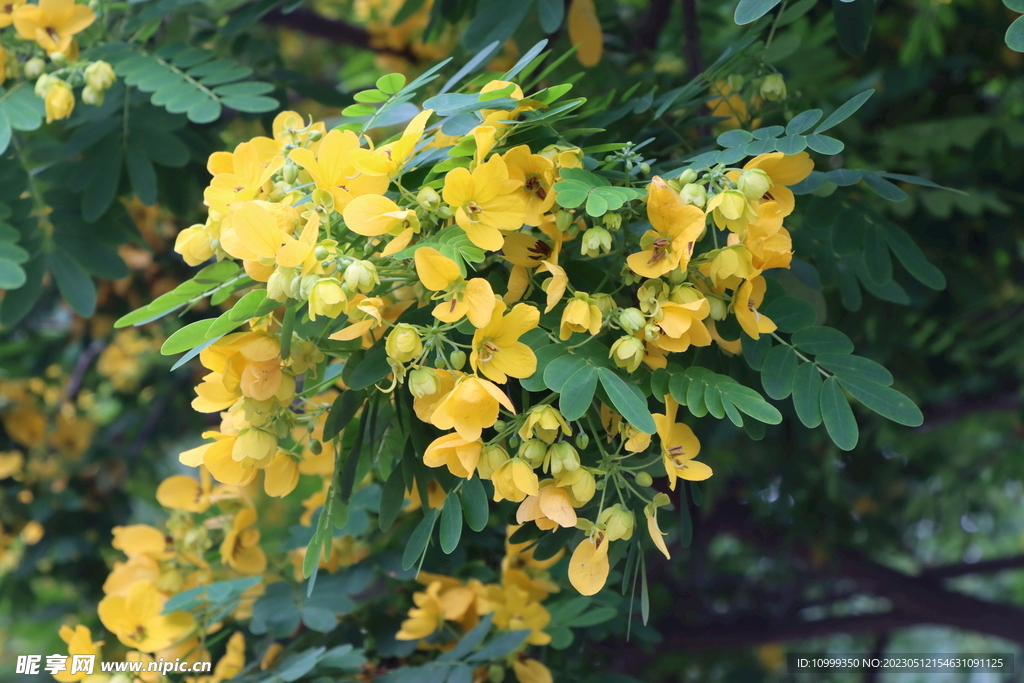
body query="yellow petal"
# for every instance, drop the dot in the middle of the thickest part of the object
(588, 568)
(435, 270)
(365, 215)
(585, 31)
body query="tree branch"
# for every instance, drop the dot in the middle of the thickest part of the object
(313, 24)
(951, 571)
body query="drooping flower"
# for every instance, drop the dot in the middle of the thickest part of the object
(240, 549)
(137, 621)
(455, 453)
(514, 480)
(588, 567)
(470, 407)
(679, 447)
(473, 299)
(581, 314)
(745, 302)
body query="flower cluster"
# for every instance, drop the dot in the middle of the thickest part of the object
(471, 276)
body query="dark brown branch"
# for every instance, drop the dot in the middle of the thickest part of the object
(951, 571)
(82, 366)
(318, 26)
(649, 28)
(691, 29)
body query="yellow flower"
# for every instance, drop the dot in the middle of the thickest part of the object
(240, 549)
(51, 23)
(229, 665)
(681, 325)
(531, 671)
(485, 202)
(371, 215)
(11, 463)
(452, 451)
(80, 642)
(7, 11)
(544, 422)
(237, 176)
(514, 610)
(332, 170)
(514, 480)
(60, 102)
(497, 351)
(470, 407)
(585, 32)
(433, 607)
(679, 447)
(180, 492)
(281, 476)
(290, 132)
(551, 507)
(731, 209)
(731, 264)
(364, 315)
(142, 539)
(783, 170)
(255, 234)
(677, 226)
(388, 160)
(218, 459)
(537, 175)
(473, 299)
(136, 619)
(588, 567)
(581, 314)
(745, 302)
(25, 424)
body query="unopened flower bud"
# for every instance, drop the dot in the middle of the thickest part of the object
(424, 382)
(43, 85)
(651, 332)
(59, 58)
(429, 199)
(533, 451)
(613, 221)
(321, 253)
(314, 135)
(500, 426)
(604, 302)
(315, 447)
(627, 352)
(457, 358)
(735, 82)
(644, 479)
(403, 343)
(617, 522)
(582, 440)
(694, 194)
(496, 673)
(645, 167)
(100, 76)
(687, 176)
(93, 97)
(323, 200)
(279, 284)
(596, 241)
(562, 457)
(773, 88)
(60, 101)
(491, 458)
(34, 68)
(361, 276)
(719, 309)
(290, 172)
(631, 320)
(563, 219)
(445, 212)
(753, 183)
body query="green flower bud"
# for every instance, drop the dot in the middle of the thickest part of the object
(100, 76)
(596, 241)
(45, 83)
(93, 97)
(424, 382)
(613, 221)
(753, 183)
(500, 426)
(321, 253)
(719, 309)
(735, 82)
(582, 440)
(457, 358)
(34, 68)
(687, 176)
(694, 194)
(445, 212)
(314, 135)
(651, 332)
(561, 457)
(429, 199)
(645, 167)
(617, 522)
(59, 58)
(644, 479)
(533, 451)
(491, 458)
(290, 172)
(496, 673)
(627, 352)
(403, 343)
(563, 219)
(773, 88)
(361, 276)
(604, 302)
(631, 320)
(315, 447)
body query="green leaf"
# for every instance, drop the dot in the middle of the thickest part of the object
(803, 121)
(451, 525)
(778, 372)
(12, 276)
(474, 503)
(17, 303)
(790, 314)
(818, 340)
(141, 174)
(838, 416)
(344, 408)
(628, 400)
(883, 187)
(559, 370)
(912, 258)
(734, 138)
(1015, 35)
(824, 144)
(104, 177)
(755, 350)
(807, 394)
(392, 498)
(470, 641)
(74, 284)
(391, 83)
(251, 104)
(187, 337)
(578, 392)
(853, 20)
(545, 355)
(855, 366)
(500, 647)
(370, 97)
(751, 10)
(551, 12)
(750, 402)
(419, 539)
(373, 368)
(791, 144)
(885, 401)
(845, 111)
(877, 261)
(494, 20)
